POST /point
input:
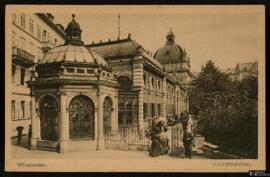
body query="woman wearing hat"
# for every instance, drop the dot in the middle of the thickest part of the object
(155, 130)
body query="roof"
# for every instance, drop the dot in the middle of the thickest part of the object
(115, 49)
(73, 53)
(247, 66)
(46, 19)
(170, 54)
(122, 48)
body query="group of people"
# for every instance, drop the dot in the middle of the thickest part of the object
(160, 142)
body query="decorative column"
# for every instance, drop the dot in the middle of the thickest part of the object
(115, 115)
(164, 94)
(64, 124)
(100, 137)
(35, 121)
(138, 84)
(140, 114)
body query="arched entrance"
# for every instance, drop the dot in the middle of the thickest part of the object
(127, 103)
(48, 109)
(81, 118)
(107, 112)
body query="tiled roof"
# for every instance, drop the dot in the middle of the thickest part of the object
(113, 49)
(122, 48)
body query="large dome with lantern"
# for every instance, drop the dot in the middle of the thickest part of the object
(171, 52)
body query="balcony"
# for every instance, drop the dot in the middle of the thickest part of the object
(22, 57)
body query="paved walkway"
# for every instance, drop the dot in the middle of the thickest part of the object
(21, 152)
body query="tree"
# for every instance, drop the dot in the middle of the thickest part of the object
(226, 110)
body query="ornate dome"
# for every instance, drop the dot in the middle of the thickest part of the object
(73, 50)
(171, 52)
(73, 53)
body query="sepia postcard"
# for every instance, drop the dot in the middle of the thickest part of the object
(159, 88)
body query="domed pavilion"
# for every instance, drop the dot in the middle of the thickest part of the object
(74, 96)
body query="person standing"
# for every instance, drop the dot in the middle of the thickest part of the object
(154, 150)
(187, 140)
(29, 136)
(19, 135)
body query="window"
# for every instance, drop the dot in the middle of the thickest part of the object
(150, 110)
(23, 109)
(90, 71)
(145, 110)
(30, 109)
(22, 76)
(144, 80)
(31, 26)
(70, 70)
(23, 20)
(13, 18)
(38, 32)
(55, 41)
(13, 73)
(80, 70)
(159, 109)
(49, 37)
(158, 85)
(13, 108)
(153, 109)
(44, 37)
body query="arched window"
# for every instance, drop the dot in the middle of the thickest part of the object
(48, 109)
(125, 83)
(81, 117)
(107, 111)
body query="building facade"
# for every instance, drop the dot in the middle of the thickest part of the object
(32, 34)
(84, 93)
(242, 71)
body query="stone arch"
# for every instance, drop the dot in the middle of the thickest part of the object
(90, 96)
(47, 94)
(125, 82)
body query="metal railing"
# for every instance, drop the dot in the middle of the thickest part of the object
(129, 136)
(23, 54)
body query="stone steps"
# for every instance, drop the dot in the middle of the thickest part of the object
(47, 145)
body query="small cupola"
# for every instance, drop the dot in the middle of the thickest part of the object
(170, 38)
(73, 32)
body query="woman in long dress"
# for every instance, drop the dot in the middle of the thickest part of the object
(155, 138)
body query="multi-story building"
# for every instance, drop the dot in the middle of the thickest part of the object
(242, 71)
(32, 35)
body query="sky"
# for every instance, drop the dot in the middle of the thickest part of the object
(225, 38)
